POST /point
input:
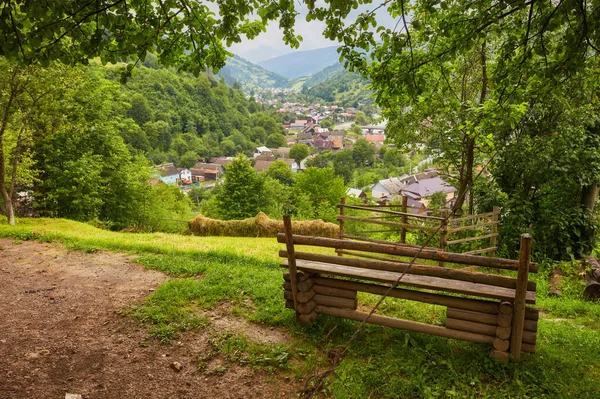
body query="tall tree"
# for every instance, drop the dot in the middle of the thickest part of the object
(323, 189)
(298, 152)
(30, 106)
(240, 195)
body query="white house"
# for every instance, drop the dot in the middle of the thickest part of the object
(260, 151)
(388, 188)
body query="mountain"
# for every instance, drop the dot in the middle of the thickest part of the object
(302, 63)
(331, 84)
(342, 88)
(323, 75)
(250, 76)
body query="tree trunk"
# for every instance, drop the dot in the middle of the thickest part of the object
(467, 177)
(10, 212)
(588, 197)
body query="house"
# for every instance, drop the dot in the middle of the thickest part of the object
(169, 174)
(337, 144)
(282, 152)
(388, 188)
(301, 121)
(221, 160)
(422, 190)
(356, 193)
(323, 132)
(375, 138)
(336, 135)
(260, 151)
(207, 172)
(304, 136)
(373, 129)
(263, 162)
(319, 142)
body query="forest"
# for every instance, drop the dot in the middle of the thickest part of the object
(81, 142)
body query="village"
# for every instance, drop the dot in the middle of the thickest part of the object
(418, 185)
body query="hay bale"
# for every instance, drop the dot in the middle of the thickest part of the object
(259, 226)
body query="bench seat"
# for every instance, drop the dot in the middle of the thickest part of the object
(409, 280)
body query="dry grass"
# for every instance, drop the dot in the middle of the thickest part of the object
(259, 226)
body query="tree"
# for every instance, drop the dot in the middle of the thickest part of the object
(319, 161)
(267, 122)
(276, 140)
(258, 134)
(532, 43)
(197, 195)
(361, 118)
(280, 171)
(363, 153)
(323, 190)
(188, 159)
(356, 130)
(140, 110)
(84, 170)
(327, 123)
(241, 191)
(393, 157)
(30, 106)
(298, 152)
(228, 147)
(178, 31)
(343, 165)
(276, 198)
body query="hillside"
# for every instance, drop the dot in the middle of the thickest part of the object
(250, 76)
(323, 75)
(302, 63)
(343, 88)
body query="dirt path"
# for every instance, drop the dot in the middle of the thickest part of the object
(61, 331)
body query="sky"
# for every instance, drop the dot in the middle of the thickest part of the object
(270, 44)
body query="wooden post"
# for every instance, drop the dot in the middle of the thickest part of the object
(404, 219)
(443, 231)
(289, 243)
(518, 321)
(341, 220)
(494, 239)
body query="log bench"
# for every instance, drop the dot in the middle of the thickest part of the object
(481, 307)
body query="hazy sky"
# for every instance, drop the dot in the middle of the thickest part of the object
(270, 44)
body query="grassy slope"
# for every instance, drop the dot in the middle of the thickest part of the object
(383, 362)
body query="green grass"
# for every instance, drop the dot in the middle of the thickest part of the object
(382, 362)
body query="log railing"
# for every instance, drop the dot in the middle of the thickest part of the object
(481, 229)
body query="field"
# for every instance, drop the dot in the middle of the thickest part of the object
(203, 273)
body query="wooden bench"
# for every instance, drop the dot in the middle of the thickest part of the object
(491, 308)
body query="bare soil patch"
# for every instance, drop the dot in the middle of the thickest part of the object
(62, 331)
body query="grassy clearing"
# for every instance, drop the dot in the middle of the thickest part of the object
(383, 362)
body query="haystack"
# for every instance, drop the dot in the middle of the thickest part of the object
(259, 226)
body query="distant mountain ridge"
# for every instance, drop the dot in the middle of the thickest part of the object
(332, 83)
(250, 76)
(302, 63)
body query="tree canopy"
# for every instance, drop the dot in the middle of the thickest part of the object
(188, 34)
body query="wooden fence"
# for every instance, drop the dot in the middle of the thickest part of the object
(481, 229)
